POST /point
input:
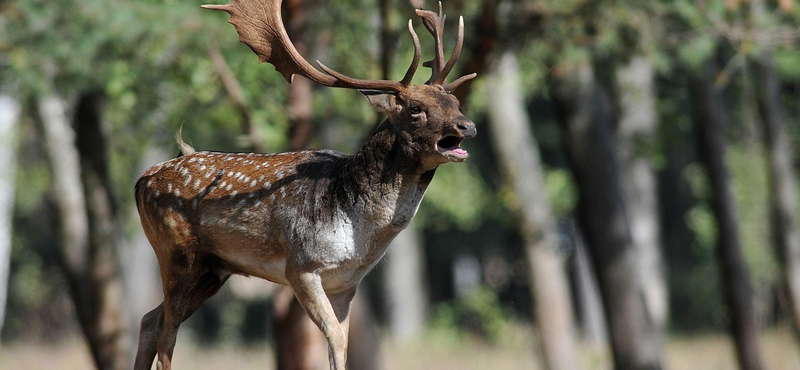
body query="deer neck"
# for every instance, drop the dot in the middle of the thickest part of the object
(384, 175)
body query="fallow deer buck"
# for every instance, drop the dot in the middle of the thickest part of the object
(315, 220)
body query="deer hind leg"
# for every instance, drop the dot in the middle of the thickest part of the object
(330, 314)
(148, 335)
(185, 290)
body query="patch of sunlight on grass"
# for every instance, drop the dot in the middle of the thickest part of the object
(229, 356)
(444, 349)
(72, 353)
(715, 351)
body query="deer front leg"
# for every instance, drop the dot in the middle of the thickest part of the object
(331, 314)
(341, 307)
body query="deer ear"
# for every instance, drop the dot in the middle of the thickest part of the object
(384, 102)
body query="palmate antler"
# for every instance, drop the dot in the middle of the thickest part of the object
(260, 26)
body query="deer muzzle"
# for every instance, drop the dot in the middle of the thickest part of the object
(450, 145)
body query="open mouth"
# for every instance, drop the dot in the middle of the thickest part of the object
(449, 146)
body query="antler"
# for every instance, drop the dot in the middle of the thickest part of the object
(435, 24)
(260, 26)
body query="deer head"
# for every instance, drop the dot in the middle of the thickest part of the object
(425, 117)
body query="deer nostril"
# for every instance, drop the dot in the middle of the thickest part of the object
(466, 127)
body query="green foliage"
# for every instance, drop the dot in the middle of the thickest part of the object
(696, 290)
(480, 313)
(457, 196)
(787, 62)
(700, 285)
(697, 50)
(29, 285)
(561, 191)
(751, 192)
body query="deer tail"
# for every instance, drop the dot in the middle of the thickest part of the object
(186, 149)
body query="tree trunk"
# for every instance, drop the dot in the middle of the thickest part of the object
(9, 115)
(635, 136)
(364, 351)
(87, 226)
(140, 271)
(252, 137)
(299, 344)
(709, 118)
(782, 180)
(518, 154)
(479, 51)
(589, 302)
(300, 99)
(586, 119)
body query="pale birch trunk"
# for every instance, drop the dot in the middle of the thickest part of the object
(518, 154)
(635, 134)
(87, 227)
(9, 116)
(140, 272)
(782, 176)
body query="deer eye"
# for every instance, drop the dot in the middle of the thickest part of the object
(415, 110)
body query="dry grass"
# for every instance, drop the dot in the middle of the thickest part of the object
(716, 352)
(437, 350)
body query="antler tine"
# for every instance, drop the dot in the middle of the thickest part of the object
(435, 24)
(453, 57)
(415, 62)
(450, 87)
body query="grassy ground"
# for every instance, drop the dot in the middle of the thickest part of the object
(437, 350)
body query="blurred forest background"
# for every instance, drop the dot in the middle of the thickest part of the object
(630, 201)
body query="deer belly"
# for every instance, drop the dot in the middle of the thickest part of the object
(266, 262)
